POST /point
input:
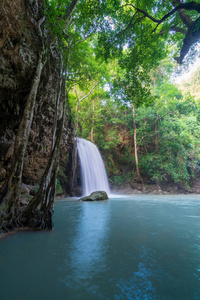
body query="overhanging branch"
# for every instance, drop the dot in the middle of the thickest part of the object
(187, 6)
(178, 29)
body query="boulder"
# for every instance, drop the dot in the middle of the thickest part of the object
(95, 196)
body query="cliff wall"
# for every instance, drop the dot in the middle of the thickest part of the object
(20, 42)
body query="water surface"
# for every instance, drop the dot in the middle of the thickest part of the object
(137, 247)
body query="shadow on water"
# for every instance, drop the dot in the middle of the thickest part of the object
(136, 247)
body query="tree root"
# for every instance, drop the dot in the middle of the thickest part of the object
(5, 228)
(36, 221)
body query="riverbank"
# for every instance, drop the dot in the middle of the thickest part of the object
(155, 189)
(126, 191)
(151, 189)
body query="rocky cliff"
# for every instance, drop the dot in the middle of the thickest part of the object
(19, 47)
(22, 36)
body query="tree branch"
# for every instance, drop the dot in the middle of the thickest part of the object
(71, 8)
(129, 24)
(192, 36)
(142, 11)
(185, 18)
(90, 92)
(178, 29)
(188, 6)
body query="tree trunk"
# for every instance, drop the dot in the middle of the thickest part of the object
(135, 148)
(41, 206)
(156, 146)
(156, 136)
(92, 128)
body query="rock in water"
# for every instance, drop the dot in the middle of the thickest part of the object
(95, 196)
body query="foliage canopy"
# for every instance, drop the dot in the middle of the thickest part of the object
(121, 56)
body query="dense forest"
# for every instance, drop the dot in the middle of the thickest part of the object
(101, 70)
(164, 132)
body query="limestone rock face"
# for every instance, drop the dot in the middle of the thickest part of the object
(20, 45)
(95, 196)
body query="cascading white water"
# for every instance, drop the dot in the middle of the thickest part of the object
(93, 172)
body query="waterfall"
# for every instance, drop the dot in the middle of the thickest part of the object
(93, 173)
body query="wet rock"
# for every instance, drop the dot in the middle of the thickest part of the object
(24, 189)
(95, 196)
